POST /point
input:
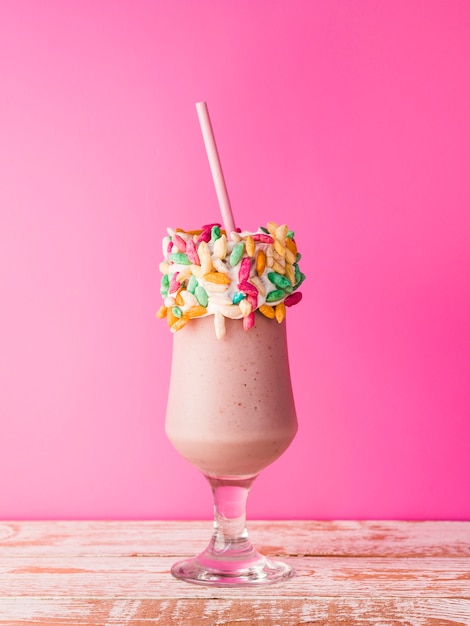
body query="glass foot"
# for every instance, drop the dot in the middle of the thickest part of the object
(207, 570)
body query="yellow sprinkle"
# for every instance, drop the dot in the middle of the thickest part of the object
(179, 298)
(291, 245)
(218, 278)
(290, 272)
(272, 227)
(188, 232)
(245, 307)
(258, 283)
(205, 257)
(164, 267)
(267, 311)
(196, 311)
(250, 246)
(280, 311)
(279, 248)
(281, 233)
(290, 256)
(220, 247)
(278, 268)
(161, 313)
(170, 318)
(178, 325)
(260, 262)
(234, 236)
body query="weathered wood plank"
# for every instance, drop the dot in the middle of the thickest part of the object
(343, 538)
(131, 577)
(320, 611)
(117, 573)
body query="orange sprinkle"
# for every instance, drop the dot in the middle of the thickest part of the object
(260, 262)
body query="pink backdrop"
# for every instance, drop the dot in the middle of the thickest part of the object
(349, 120)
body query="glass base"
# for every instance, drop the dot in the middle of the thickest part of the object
(207, 570)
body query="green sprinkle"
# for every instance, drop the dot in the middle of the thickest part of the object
(265, 230)
(274, 296)
(192, 284)
(300, 281)
(164, 285)
(215, 233)
(297, 273)
(201, 295)
(237, 253)
(298, 257)
(177, 312)
(279, 280)
(180, 257)
(238, 296)
(290, 234)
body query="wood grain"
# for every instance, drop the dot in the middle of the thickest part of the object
(108, 573)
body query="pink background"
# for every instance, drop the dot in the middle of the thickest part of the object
(347, 119)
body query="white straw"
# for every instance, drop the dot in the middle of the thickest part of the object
(216, 168)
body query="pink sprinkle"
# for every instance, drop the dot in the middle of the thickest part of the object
(244, 271)
(247, 288)
(180, 243)
(293, 298)
(249, 321)
(263, 238)
(174, 285)
(191, 251)
(209, 226)
(205, 235)
(253, 300)
(169, 248)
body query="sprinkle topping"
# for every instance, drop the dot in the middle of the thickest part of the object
(207, 273)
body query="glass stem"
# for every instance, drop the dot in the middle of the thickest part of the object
(230, 537)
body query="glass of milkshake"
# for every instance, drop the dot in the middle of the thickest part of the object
(230, 407)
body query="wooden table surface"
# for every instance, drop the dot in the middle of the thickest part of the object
(117, 573)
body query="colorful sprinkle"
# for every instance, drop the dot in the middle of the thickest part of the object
(263, 238)
(250, 246)
(237, 253)
(238, 297)
(218, 278)
(164, 285)
(280, 312)
(267, 311)
(191, 251)
(244, 271)
(293, 298)
(180, 243)
(275, 296)
(204, 274)
(201, 295)
(180, 257)
(249, 321)
(260, 262)
(280, 281)
(192, 284)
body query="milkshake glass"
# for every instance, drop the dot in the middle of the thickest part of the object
(230, 407)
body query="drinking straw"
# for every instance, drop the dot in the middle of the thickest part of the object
(216, 168)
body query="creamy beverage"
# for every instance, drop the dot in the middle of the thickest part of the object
(230, 407)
